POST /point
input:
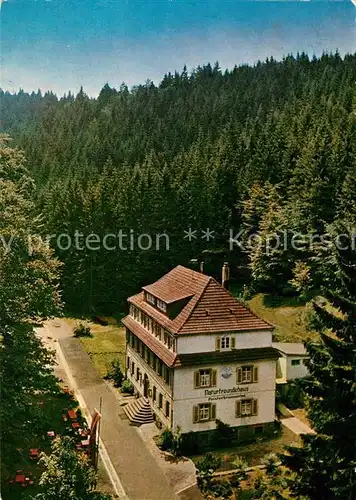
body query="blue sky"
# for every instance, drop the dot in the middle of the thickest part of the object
(63, 44)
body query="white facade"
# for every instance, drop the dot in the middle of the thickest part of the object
(188, 344)
(291, 364)
(291, 367)
(154, 380)
(225, 395)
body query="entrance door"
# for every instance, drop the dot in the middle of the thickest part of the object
(145, 386)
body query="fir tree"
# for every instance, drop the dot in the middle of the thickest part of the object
(326, 463)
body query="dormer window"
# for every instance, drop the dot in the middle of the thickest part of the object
(161, 305)
(225, 344)
(151, 299)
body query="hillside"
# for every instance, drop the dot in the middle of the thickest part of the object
(268, 149)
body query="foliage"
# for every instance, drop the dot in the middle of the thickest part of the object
(224, 434)
(169, 441)
(326, 462)
(127, 387)
(67, 474)
(205, 469)
(29, 290)
(268, 149)
(115, 373)
(82, 330)
(241, 471)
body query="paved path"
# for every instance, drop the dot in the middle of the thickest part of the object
(132, 468)
(297, 426)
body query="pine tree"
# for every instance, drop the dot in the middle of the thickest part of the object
(326, 463)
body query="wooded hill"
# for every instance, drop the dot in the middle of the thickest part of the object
(267, 148)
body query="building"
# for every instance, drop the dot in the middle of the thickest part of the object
(291, 363)
(196, 354)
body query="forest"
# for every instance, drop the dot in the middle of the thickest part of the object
(264, 151)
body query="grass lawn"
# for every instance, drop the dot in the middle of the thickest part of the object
(252, 453)
(287, 315)
(108, 343)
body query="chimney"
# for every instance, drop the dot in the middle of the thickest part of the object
(225, 276)
(201, 266)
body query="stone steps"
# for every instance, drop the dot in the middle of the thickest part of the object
(139, 411)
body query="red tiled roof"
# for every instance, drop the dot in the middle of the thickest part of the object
(212, 309)
(167, 356)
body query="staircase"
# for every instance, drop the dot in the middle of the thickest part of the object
(139, 411)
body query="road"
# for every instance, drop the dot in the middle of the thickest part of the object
(131, 467)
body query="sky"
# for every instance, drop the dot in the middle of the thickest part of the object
(61, 45)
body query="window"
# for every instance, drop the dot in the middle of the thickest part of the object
(169, 342)
(246, 407)
(224, 343)
(161, 305)
(133, 368)
(150, 298)
(160, 400)
(167, 409)
(205, 378)
(204, 412)
(247, 374)
(137, 374)
(160, 367)
(295, 362)
(154, 362)
(154, 393)
(128, 363)
(166, 375)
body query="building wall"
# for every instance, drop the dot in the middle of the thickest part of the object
(282, 368)
(154, 380)
(206, 343)
(186, 397)
(296, 371)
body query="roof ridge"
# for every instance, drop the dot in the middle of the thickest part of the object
(196, 302)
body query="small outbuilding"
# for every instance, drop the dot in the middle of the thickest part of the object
(291, 364)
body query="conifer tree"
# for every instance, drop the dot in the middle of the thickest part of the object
(326, 463)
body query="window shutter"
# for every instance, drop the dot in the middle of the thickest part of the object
(254, 407)
(213, 411)
(217, 343)
(213, 378)
(195, 414)
(232, 342)
(239, 375)
(238, 408)
(255, 373)
(196, 380)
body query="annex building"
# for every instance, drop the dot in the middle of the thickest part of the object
(195, 354)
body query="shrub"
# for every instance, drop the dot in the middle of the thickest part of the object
(224, 434)
(115, 373)
(171, 442)
(165, 440)
(82, 330)
(127, 387)
(190, 443)
(205, 469)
